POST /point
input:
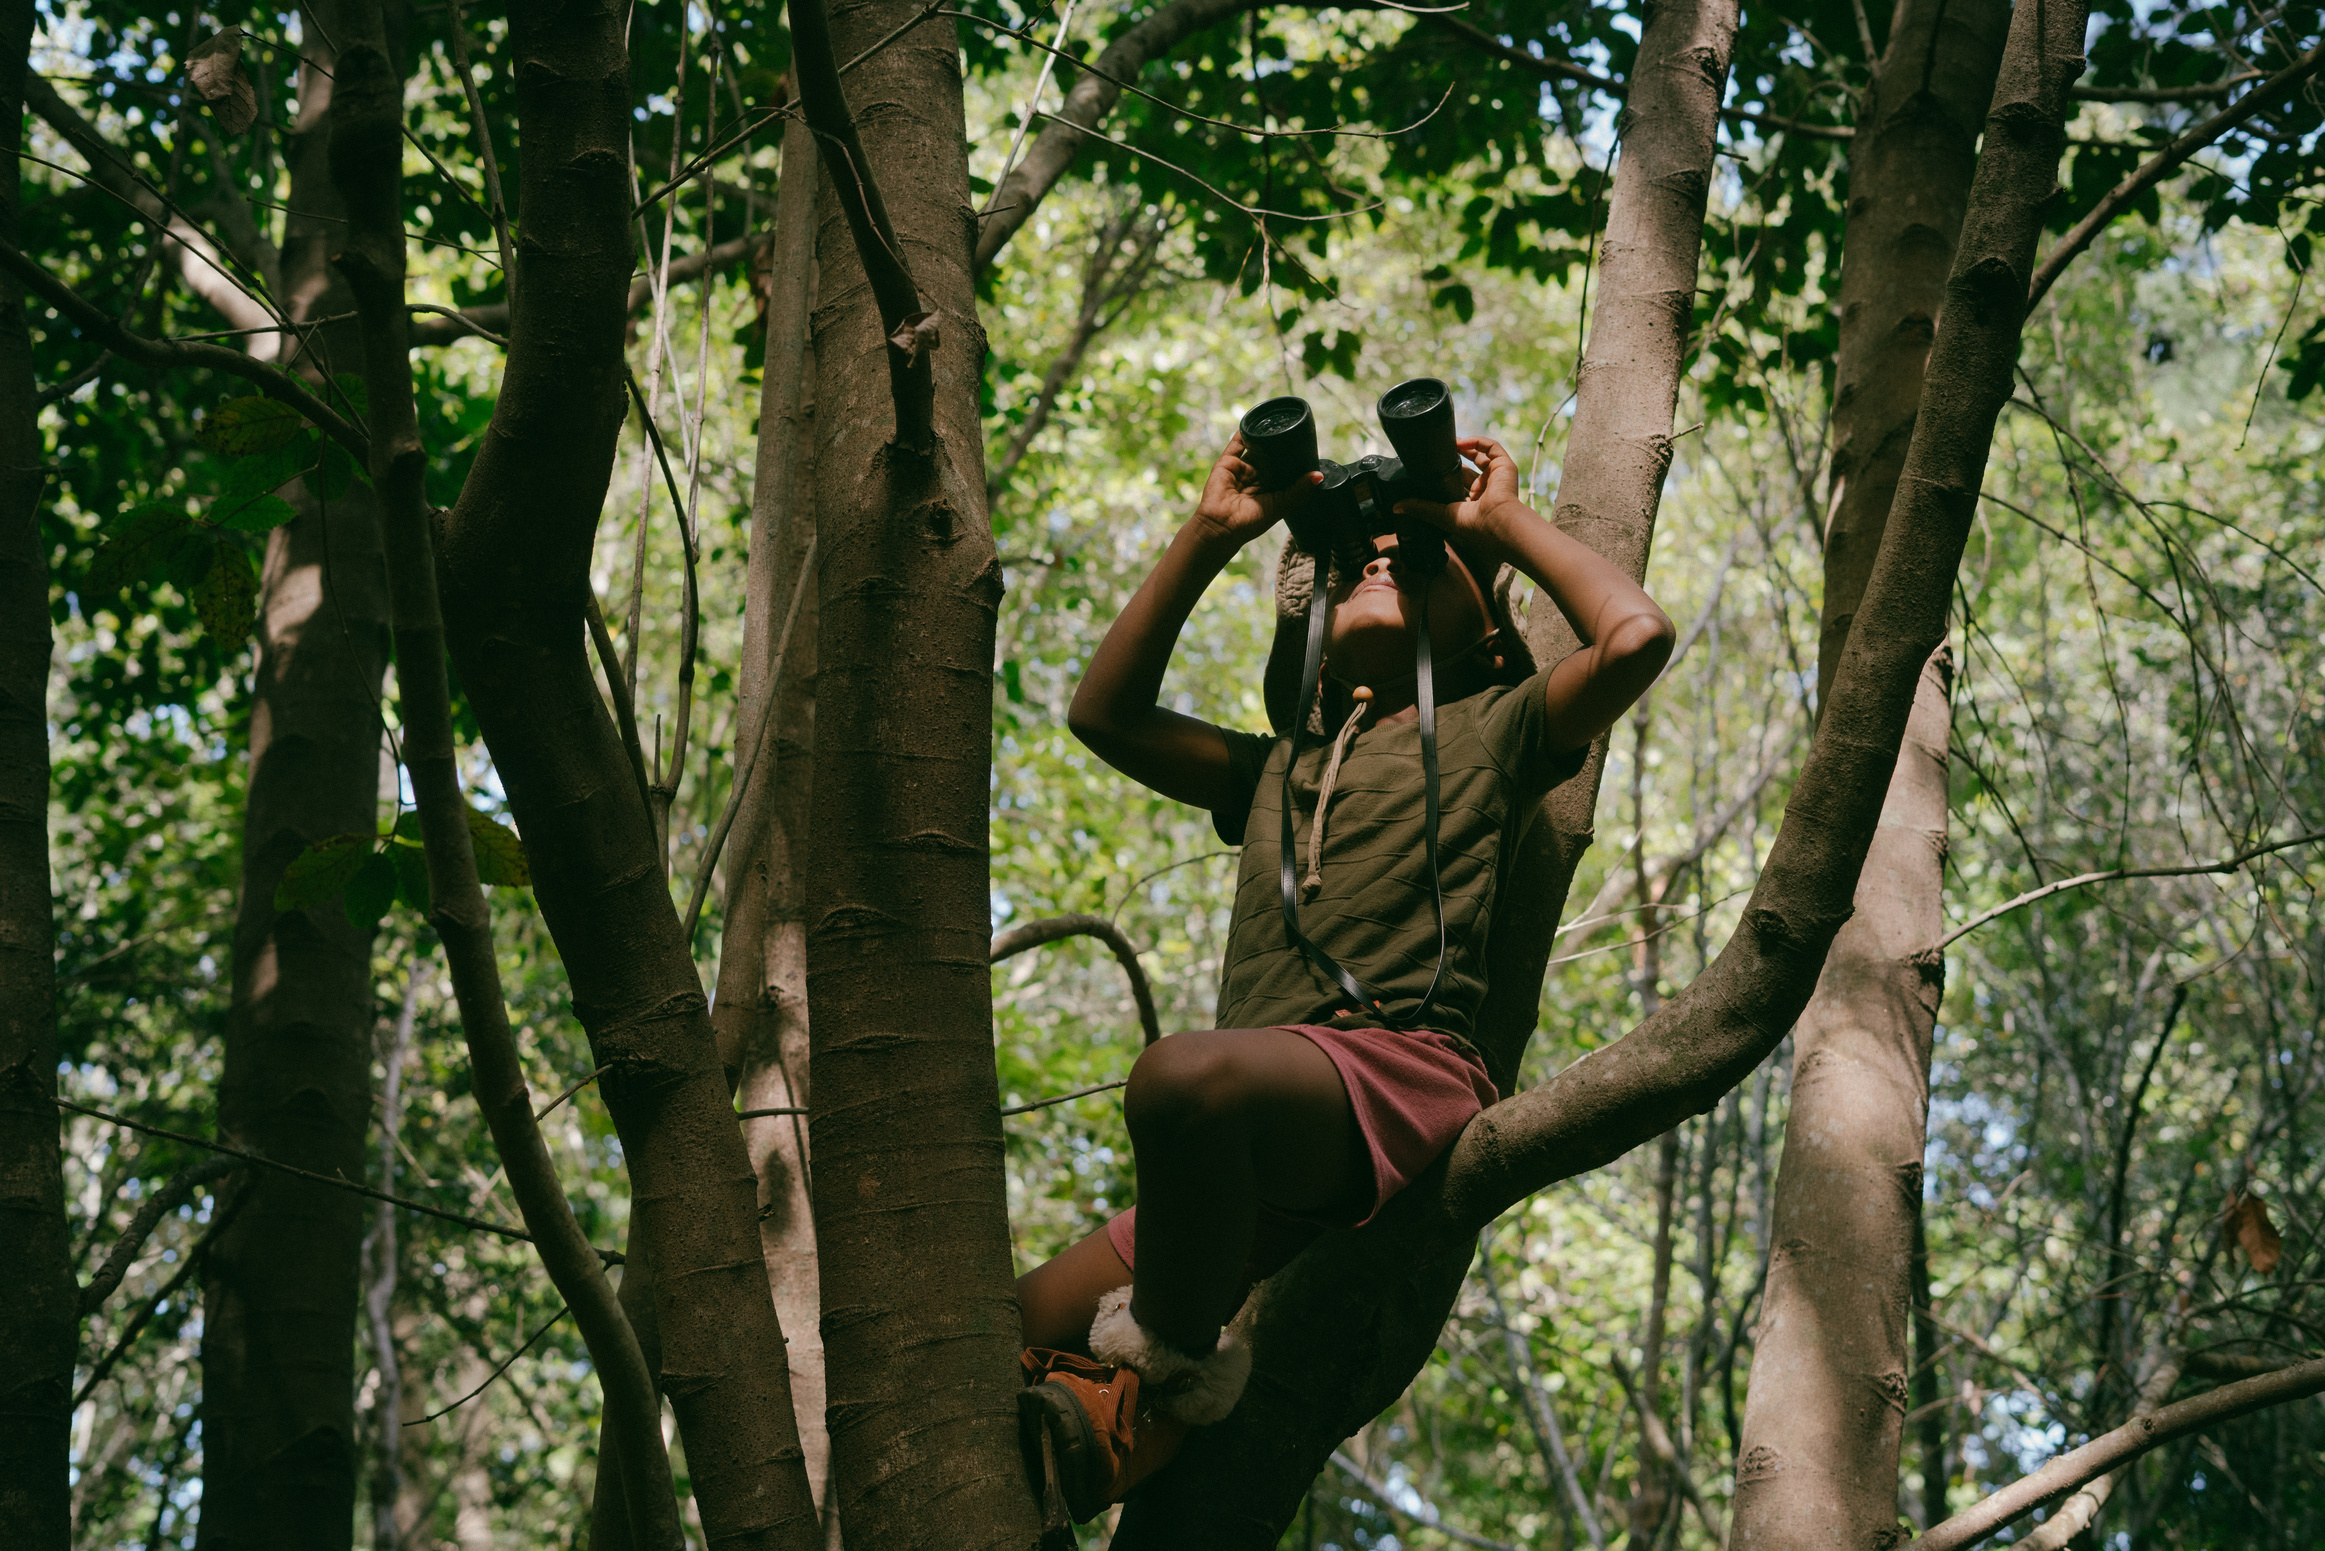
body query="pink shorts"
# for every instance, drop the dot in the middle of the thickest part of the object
(1412, 1094)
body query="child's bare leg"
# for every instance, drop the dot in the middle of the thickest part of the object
(1222, 1120)
(1060, 1296)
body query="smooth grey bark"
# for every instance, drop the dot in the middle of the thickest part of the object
(39, 1299)
(1374, 1302)
(1825, 1411)
(760, 1013)
(920, 1319)
(280, 1444)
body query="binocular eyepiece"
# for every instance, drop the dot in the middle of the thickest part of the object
(1357, 501)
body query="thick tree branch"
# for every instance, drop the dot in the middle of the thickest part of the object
(366, 154)
(272, 381)
(2111, 1451)
(2161, 165)
(1033, 934)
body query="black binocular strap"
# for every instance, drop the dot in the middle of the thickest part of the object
(1311, 681)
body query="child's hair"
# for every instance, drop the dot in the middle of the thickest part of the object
(1295, 585)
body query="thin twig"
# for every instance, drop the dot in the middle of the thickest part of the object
(503, 1230)
(149, 1215)
(562, 1311)
(2153, 171)
(762, 725)
(617, 686)
(135, 1326)
(543, 1112)
(1255, 212)
(2224, 865)
(270, 380)
(1066, 1098)
(1429, 1519)
(492, 169)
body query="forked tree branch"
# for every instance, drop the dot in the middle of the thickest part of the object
(911, 378)
(366, 154)
(2161, 165)
(2111, 1451)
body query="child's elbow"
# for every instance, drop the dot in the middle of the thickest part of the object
(1640, 644)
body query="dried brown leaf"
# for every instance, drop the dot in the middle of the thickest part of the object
(914, 336)
(215, 69)
(2248, 1220)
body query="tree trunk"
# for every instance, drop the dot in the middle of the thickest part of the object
(39, 1301)
(514, 559)
(761, 1009)
(921, 1326)
(1343, 1342)
(1824, 1414)
(280, 1446)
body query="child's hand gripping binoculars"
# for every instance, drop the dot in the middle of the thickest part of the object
(1357, 501)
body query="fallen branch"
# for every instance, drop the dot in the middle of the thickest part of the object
(2157, 167)
(2226, 864)
(1034, 934)
(2111, 1451)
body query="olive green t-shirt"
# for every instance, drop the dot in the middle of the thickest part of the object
(1372, 913)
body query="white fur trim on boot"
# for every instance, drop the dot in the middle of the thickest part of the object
(1194, 1390)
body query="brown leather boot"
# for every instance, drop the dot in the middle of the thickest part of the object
(1085, 1444)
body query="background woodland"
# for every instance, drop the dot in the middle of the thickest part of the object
(2117, 1203)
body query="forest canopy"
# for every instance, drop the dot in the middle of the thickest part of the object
(557, 951)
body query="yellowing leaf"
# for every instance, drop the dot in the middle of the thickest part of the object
(2248, 1221)
(215, 69)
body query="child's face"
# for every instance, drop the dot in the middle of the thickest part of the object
(1374, 615)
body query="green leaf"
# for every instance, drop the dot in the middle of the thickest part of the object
(321, 871)
(408, 826)
(371, 891)
(350, 399)
(266, 472)
(226, 597)
(248, 425)
(334, 473)
(253, 513)
(411, 865)
(148, 540)
(500, 855)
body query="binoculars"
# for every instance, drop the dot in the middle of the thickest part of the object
(1357, 501)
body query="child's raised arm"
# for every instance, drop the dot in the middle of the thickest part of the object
(1115, 710)
(1626, 637)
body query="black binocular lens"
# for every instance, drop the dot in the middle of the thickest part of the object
(1279, 442)
(1418, 417)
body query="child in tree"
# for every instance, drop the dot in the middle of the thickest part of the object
(1308, 1109)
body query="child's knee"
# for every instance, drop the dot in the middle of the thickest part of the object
(1186, 1084)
